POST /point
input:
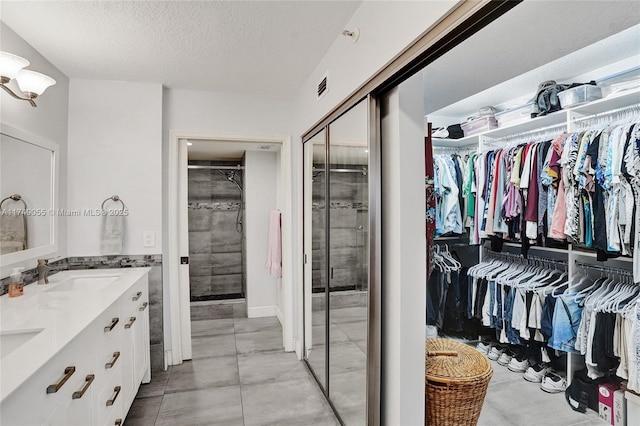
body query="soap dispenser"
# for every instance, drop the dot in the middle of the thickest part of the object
(16, 284)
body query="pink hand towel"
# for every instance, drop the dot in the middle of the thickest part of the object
(274, 255)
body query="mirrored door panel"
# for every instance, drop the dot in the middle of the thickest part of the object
(315, 241)
(348, 263)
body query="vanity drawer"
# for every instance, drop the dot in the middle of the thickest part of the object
(107, 330)
(109, 406)
(37, 398)
(134, 299)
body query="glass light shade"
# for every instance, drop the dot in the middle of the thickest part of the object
(11, 64)
(34, 82)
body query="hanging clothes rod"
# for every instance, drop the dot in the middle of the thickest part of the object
(537, 135)
(362, 170)
(238, 167)
(629, 110)
(514, 256)
(454, 148)
(611, 269)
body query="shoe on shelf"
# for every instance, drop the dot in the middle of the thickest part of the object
(505, 358)
(535, 373)
(518, 364)
(553, 383)
(495, 352)
(484, 347)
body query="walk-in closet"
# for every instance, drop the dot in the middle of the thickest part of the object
(532, 165)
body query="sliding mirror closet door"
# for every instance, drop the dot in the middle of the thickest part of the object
(348, 263)
(315, 269)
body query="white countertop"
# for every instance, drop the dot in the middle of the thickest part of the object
(62, 316)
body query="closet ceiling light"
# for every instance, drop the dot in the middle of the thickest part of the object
(31, 83)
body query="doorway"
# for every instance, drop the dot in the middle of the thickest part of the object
(219, 209)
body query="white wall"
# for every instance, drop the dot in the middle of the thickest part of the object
(48, 120)
(386, 28)
(115, 148)
(403, 261)
(261, 197)
(226, 113)
(215, 113)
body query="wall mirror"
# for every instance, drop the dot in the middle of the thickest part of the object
(28, 188)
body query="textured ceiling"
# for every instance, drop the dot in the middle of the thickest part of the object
(256, 47)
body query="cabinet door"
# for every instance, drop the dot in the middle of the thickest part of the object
(128, 358)
(141, 348)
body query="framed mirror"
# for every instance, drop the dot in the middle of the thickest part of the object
(28, 194)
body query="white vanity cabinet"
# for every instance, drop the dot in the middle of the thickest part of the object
(93, 378)
(47, 398)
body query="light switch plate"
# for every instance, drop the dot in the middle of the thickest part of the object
(148, 239)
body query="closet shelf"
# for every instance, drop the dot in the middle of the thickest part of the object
(558, 118)
(466, 142)
(555, 118)
(612, 102)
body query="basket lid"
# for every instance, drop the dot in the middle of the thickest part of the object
(448, 359)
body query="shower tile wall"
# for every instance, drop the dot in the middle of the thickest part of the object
(349, 214)
(215, 246)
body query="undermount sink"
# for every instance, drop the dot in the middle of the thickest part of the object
(86, 283)
(12, 340)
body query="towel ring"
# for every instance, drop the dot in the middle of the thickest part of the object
(18, 197)
(14, 197)
(114, 198)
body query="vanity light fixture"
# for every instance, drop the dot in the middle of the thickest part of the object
(31, 83)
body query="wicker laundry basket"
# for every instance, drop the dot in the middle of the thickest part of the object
(456, 380)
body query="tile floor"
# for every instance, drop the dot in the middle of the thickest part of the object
(511, 400)
(239, 375)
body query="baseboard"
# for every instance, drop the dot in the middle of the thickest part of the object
(262, 311)
(298, 345)
(280, 315)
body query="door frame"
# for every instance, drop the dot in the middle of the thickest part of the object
(178, 312)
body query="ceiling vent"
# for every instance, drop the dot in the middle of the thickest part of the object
(322, 87)
(265, 147)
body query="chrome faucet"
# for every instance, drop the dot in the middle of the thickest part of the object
(44, 270)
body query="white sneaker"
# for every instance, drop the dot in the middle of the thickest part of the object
(553, 383)
(483, 348)
(505, 358)
(535, 373)
(518, 366)
(495, 353)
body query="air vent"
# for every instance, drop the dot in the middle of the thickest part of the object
(322, 87)
(265, 147)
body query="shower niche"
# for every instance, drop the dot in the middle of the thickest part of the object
(216, 230)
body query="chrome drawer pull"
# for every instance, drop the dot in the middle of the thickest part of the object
(117, 392)
(108, 328)
(137, 296)
(68, 372)
(118, 422)
(144, 306)
(78, 394)
(130, 323)
(108, 365)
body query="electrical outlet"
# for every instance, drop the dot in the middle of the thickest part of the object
(148, 239)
